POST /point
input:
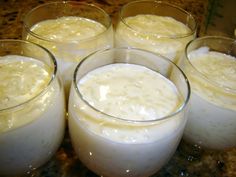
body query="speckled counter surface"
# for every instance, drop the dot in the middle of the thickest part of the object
(12, 12)
(188, 161)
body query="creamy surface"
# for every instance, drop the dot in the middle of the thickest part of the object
(160, 34)
(68, 37)
(133, 95)
(68, 29)
(21, 79)
(212, 117)
(217, 67)
(157, 25)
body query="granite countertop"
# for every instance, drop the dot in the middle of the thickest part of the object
(12, 12)
(188, 161)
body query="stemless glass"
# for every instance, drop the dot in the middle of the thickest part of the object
(139, 26)
(212, 116)
(71, 43)
(118, 146)
(31, 123)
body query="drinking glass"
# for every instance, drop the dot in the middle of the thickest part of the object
(75, 41)
(140, 26)
(212, 116)
(32, 110)
(124, 146)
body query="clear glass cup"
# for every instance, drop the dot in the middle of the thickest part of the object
(138, 28)
(32, 115)
(212, 116)
(69, 49)
(146, 144)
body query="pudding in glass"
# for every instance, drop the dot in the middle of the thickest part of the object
(32, 110)
(155, 26)
(126, 119)
(211, 69)
(70, 30)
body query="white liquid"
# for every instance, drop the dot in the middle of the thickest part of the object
(70, 39)
(114, 147)
(31, 133)
(158, 34)
(212, 118)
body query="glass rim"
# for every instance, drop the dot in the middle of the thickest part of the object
(28, 29)
(202, 75)
(180, 109)
(193, 31)
(43, 90)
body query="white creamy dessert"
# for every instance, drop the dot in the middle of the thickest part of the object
(70, 39)
(212, 118)
(159, 34)
(128, 137)
(32, 113)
